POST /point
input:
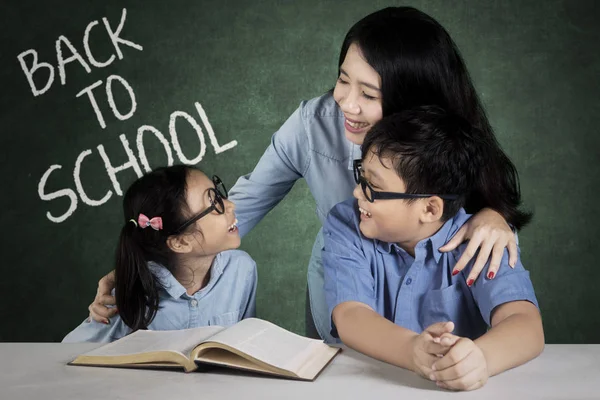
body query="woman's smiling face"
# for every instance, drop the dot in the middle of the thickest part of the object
(358, 94)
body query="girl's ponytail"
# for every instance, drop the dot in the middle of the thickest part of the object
(157, 198)
(135, 288)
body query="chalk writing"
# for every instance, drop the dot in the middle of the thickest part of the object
(66, 54)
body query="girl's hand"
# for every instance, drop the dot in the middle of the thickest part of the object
(428, 347)
(464, 367)
(98, 310)
(487, 231)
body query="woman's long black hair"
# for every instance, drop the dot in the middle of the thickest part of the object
(419, 65)
(160, 193)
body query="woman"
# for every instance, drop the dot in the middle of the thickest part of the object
(390, 60)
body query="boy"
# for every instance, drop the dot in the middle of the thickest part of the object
(391, 293)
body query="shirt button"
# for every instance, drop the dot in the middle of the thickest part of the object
(194, 303)
(409, 281)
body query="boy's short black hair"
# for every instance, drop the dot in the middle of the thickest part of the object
(432, 151)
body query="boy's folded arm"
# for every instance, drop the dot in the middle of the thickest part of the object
(516, 336)
(364, 330)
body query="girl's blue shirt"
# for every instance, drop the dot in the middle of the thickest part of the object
(229, 296)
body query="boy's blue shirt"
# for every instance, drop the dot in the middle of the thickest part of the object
(414, 292)
(229, 296)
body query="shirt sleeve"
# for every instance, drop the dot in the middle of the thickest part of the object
(348, 275)
(285, 160)
(508, 285)
(250, 309)
(97, 332)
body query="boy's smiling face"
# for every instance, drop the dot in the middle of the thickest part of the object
(394, 221)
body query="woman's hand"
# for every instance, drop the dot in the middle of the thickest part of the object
(98, 309)
(487, 231)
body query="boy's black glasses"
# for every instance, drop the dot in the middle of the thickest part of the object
(216, 196)
(371, 194)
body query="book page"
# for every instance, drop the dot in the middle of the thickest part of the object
(269, 343)
(144, 341)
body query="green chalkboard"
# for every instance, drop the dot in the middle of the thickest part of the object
(235, 70)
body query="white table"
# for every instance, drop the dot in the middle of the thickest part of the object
(39, 371)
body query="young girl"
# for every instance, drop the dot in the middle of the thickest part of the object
(176, 266)
(393, 59)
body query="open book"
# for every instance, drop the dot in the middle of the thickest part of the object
(251, 344)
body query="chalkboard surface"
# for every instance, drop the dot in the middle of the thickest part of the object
(95, 93)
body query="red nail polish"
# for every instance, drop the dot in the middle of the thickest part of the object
(455, 272)
(470, 282)
(491, 275)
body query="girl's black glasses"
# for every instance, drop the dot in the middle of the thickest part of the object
(216, 196)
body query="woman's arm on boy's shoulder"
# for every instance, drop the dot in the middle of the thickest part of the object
(488, 235)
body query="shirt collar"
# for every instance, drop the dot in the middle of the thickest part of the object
(439, 239)
(172, 285)
(354, 154)
(432, 243)
(167, 280)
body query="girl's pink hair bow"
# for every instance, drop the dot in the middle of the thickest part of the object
(155, 223)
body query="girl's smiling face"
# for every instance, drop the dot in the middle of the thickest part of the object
(358, 94)
(216, 233)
